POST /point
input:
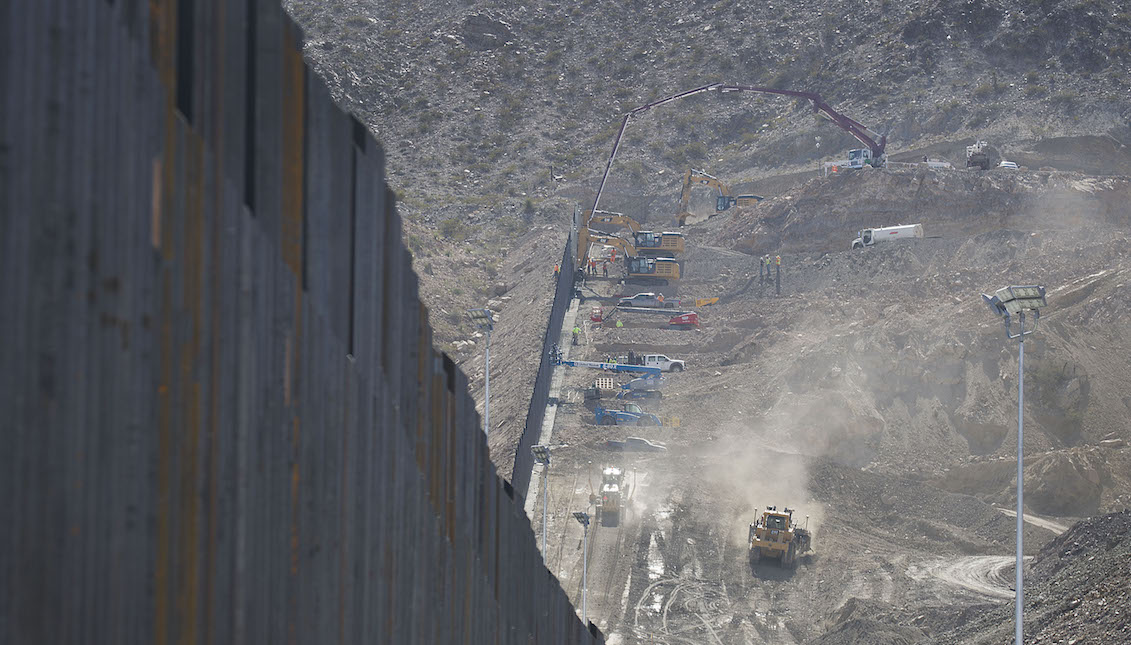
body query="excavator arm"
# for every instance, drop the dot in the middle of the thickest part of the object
(862, 133)
(723, 200)
(626, 247)
(853, 127)
(692, 178)
(587, 237)
(605, 217)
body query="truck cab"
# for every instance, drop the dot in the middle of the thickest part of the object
(859, 157)
(863, 238)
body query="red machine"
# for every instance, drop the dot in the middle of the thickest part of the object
(685, 320)
(597, 314)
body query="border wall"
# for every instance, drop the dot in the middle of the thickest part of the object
(223, 420)
(563, 293)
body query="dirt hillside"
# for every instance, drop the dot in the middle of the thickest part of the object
(877, 395)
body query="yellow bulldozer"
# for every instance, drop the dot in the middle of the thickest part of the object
(611, 498)
(775, 535)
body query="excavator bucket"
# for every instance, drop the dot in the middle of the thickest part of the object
(703, 302)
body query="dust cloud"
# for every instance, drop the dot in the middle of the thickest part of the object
(753, 475)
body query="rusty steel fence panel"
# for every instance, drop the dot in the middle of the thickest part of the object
(223, 417)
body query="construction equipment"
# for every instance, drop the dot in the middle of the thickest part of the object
(685, 320)
(648, 369)
(650, 243)
(723, 200)
(659, 361)
(703, 302)
(870, 236)
(981, 155)
(617, 219)
(645, 387)
(610, 499)
(638, 268)
(775, 535)
(630, 415)
(660, 271)
(666, 244)
(855, 128)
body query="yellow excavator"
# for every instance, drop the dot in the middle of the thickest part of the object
(617, 219)
(649, 243)
(639, 268)
(723, 200)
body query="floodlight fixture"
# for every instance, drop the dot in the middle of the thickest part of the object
(541, 454)
(483, 318)
(582, 517)
(1008, 302)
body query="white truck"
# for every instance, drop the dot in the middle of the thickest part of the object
(663, 362)
(870, 236)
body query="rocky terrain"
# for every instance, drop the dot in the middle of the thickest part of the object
(498, 116)
(876, 394)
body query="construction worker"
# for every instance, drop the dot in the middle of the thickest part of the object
(620, 324)
(576, 334)
(605, 268)
(557, 270)
(661, 298)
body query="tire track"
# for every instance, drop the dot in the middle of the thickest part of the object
(990, 576)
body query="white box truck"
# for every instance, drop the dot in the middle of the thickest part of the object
(870, 236)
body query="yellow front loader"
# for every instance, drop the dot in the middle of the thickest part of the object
(776, 536)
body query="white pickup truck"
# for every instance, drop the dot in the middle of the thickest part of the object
(663, 362)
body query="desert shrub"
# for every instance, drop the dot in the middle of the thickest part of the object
(983, 91)
(455, 229)
(1064, 100)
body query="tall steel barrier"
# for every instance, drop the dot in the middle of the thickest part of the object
(563, 293)
(223, 420)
